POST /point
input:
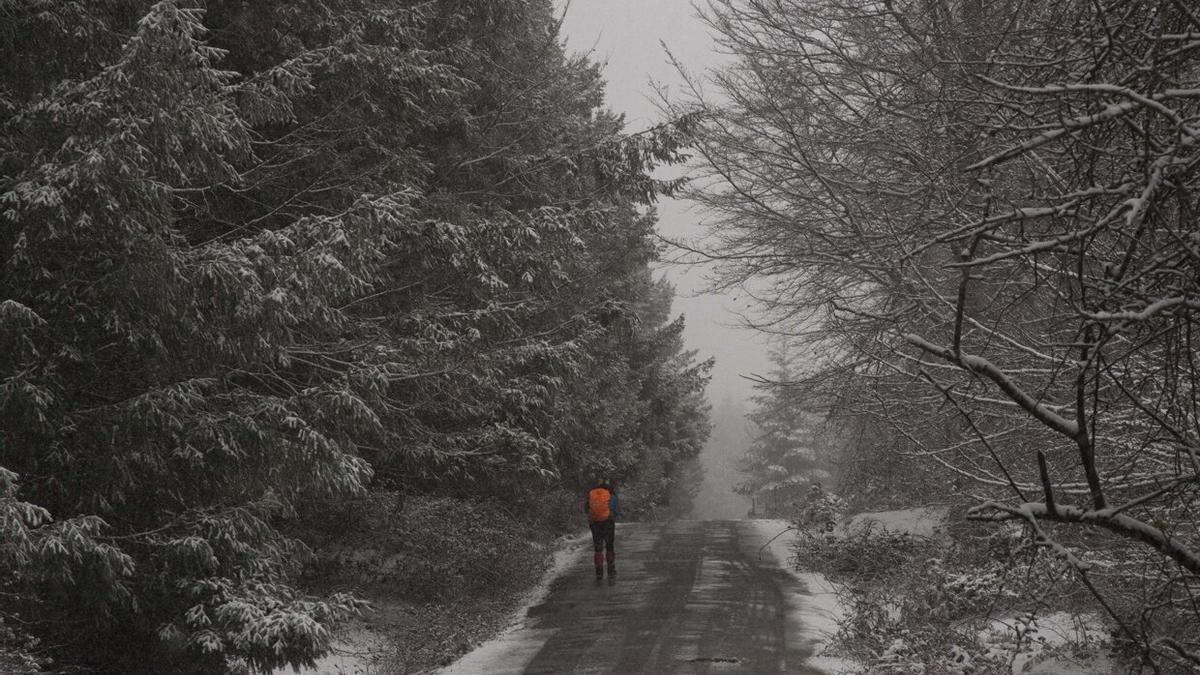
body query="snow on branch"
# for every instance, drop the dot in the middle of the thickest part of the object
(982, 366)
(989, 223)
(1151, 102)
(1147, 312)
(1109, 519)
(1036, 247)
(1179, 649)
(1110, 111)
(15, 313)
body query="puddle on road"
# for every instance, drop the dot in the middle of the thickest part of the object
(715, 659)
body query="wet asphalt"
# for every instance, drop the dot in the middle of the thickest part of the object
(688, 597)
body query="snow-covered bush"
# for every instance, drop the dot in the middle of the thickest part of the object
(923, 605)
(864, 553)
(902, 613)
(819, 509)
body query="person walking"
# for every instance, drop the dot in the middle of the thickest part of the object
(603, 509)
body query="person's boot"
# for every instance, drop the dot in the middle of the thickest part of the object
(599, 557)
(612, 563)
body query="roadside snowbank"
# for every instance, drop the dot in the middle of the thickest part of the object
(819, 610)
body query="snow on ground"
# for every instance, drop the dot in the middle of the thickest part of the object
(1038, 635)
(1043, 633)
(820, 610)
(923, 521)
(1059, 643)
(486, 656)
(817, 613)
(354, 652)
(358, 647)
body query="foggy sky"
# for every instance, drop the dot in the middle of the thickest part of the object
(625, 35)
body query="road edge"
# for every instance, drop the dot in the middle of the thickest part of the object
(566, 549)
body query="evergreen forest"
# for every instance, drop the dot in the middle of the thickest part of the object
(269, 265)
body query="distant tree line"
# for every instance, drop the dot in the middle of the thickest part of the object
(258, 255)
(980, 221)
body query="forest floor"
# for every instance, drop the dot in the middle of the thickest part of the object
(398, 637)
(440, 574)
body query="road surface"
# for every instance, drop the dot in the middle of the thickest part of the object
(688, 597)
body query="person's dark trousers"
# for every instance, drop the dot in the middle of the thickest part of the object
(604, 534)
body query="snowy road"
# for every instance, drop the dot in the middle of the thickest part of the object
(689, 597)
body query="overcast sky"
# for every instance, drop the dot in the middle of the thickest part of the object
(625, 35)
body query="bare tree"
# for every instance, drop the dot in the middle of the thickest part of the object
(980, 217)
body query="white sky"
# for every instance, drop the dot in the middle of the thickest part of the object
(625, 35)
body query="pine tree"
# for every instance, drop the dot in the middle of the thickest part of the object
(157, 418)
(783, 459)
(260, 254)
